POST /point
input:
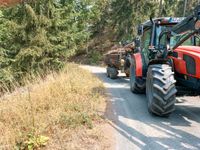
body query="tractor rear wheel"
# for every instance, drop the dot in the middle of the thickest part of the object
(134, 82)
(112, 72)
(161, 90)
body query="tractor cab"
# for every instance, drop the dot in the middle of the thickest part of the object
(151, 30)
(149, 33)
(154, 40)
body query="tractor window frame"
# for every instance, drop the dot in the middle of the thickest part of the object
(143, 44)
(196, 40)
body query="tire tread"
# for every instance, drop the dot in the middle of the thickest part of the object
(164, 90)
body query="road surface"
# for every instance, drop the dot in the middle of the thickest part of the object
(135, 128)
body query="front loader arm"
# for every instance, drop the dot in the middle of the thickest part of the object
(189, 23)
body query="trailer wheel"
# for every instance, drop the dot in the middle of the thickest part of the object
(161, 90)
(112, 72)
(135, 87)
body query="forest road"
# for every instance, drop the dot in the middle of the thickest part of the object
(134, 128)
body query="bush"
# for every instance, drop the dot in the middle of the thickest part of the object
(95, 57)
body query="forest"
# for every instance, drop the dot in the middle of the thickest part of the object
(39, 36)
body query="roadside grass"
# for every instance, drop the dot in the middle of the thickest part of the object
(51, 111)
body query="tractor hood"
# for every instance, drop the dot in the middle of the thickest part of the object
(187, 60)
(193, 50)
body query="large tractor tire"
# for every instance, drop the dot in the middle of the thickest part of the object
(136, 84)
(161, 90)
(112, 72)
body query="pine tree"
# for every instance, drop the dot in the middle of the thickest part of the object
(38, 36)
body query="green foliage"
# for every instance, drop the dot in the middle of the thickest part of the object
(36, 141)
(41, 35)
(121, 18)
(32, 142)
(95, 57)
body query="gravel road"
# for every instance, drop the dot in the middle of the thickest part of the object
(135, 128)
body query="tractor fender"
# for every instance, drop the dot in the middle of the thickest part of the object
(137, 62)
(168, 61)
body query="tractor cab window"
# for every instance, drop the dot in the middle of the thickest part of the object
(177, 38)
(174, 39)
(197, 40)
(159, 29)
(163, 42)
(146, 38)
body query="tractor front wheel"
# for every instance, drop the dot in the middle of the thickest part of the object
(161, 90)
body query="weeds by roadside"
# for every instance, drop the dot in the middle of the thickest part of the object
(33, 116)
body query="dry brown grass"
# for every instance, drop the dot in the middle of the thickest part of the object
(57, 108)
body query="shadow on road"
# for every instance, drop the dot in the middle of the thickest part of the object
(129, 116)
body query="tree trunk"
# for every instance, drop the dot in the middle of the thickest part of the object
(185, 7)
(160, 8)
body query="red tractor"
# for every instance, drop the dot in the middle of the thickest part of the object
(163, 61)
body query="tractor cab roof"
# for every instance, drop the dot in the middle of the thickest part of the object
(163, 21)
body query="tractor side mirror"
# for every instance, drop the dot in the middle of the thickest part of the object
(137, 43)
(140, 30)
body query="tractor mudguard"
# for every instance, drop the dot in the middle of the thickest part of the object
(137, 60)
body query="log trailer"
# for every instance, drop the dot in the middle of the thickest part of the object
(119, 60)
